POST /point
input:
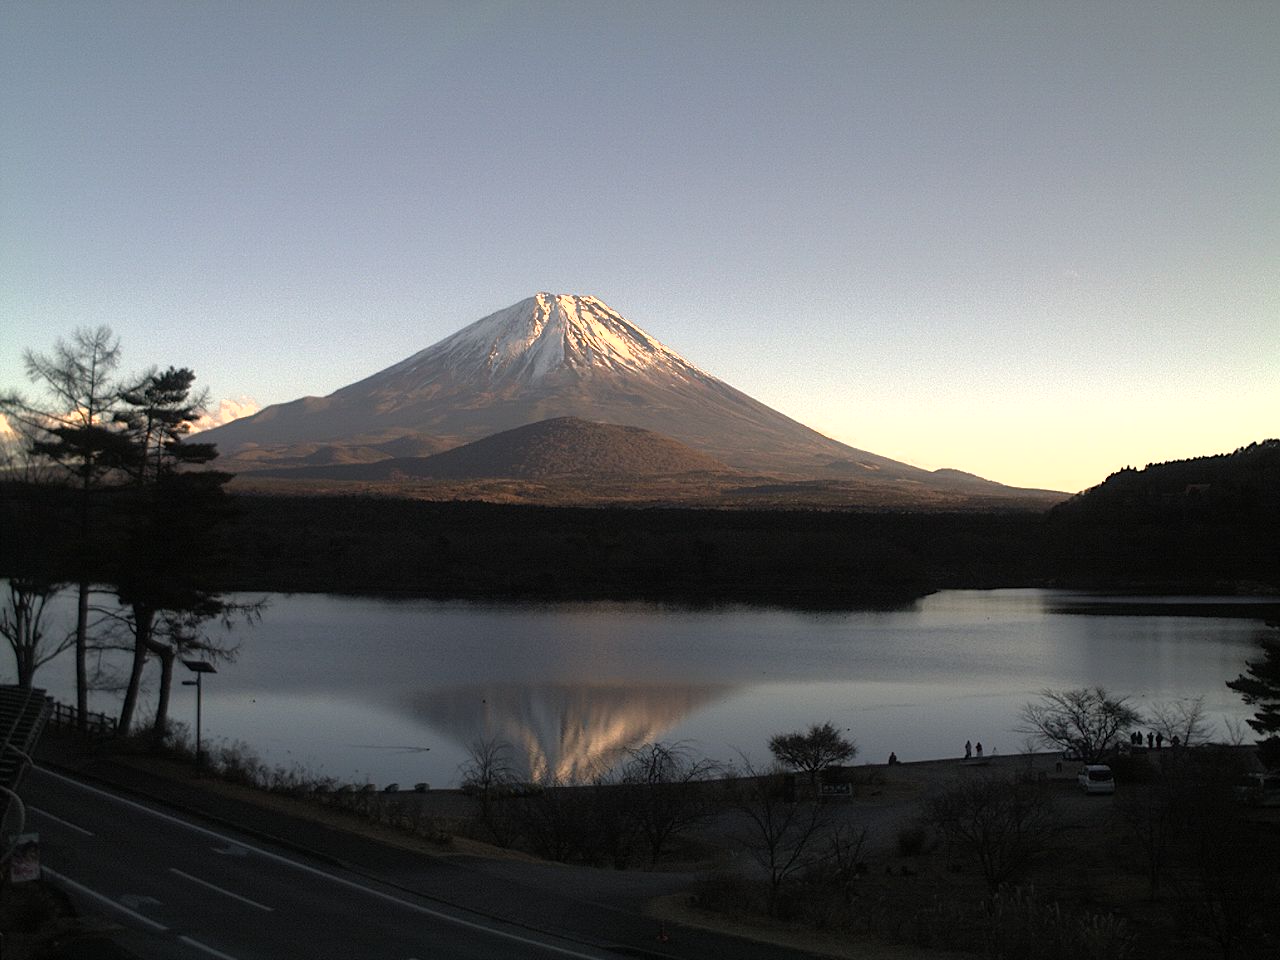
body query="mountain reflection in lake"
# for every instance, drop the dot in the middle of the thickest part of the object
(373, 690)
(563, 731)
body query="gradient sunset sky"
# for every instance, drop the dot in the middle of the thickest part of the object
(1035, 241)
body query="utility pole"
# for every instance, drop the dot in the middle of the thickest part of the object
(199, 668)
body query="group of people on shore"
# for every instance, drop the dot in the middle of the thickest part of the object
(971, 751)
(1155, 740)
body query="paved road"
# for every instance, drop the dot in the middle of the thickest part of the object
(185, 891)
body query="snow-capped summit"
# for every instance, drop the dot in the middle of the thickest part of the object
(544, 334)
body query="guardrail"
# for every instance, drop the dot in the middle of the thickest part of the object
(67, 717)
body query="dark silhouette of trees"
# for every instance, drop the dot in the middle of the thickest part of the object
(72, 428)
(781, 834)
(162, 580)
(22, 625)
(813, 750)
(1196, 523)
(1259, 686)
(489, 774)
(127, 441)
(1222, 875)
(1183, 718)
(1152, 808)
(1003, 824)
(1088, 721)
(155, 416)
(665, 792)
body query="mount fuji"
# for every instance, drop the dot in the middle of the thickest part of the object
(552, 356)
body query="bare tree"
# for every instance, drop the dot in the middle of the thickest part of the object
(782, 835)
(1003, 824)
(846, 845)
(1182, 721)
(18, 460)
(22, 625)
(813, 750)
(1088, 721)
(556, 819)
(488, 771)
(1236, 731)
(1154, 813)
(663, 783)
(610, 827)
(489, 774)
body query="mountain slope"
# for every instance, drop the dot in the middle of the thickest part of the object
(545, 357)
(556, 356)
(565, 447)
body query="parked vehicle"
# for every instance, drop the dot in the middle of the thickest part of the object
(1259, 789)
(1096, 778)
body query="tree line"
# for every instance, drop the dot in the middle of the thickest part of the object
(91, 444)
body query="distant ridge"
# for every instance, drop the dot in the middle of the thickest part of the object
(562, 447)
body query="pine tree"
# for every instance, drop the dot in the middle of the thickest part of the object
(156, 417)
(161, 578)
(1259, 686)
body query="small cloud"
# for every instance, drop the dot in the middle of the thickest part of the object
(227, 411)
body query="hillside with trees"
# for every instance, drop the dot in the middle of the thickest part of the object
(1206, 523)
(1243, 485)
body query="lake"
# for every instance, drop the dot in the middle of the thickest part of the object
(366, 690)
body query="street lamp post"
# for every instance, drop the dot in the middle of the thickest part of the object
(199, 668)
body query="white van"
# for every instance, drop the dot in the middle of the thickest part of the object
(1259, 789)
(1096, 778)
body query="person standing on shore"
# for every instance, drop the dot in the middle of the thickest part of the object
(968, 749)
(979, 748)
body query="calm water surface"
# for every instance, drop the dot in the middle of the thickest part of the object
(377, 691)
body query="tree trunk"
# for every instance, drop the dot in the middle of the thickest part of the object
(82, 603)
(25, 657)
(82, 646)
(166, 655)
(143, 617)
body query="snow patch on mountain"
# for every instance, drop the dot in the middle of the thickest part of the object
(547, 333)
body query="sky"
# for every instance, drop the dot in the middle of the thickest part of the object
(1035, 241)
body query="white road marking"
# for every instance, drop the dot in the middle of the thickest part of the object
(206, 948)
(221, 890)
(103, 898)
(315, 871)
(145, 921)
(66, 823)
(135, 900)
